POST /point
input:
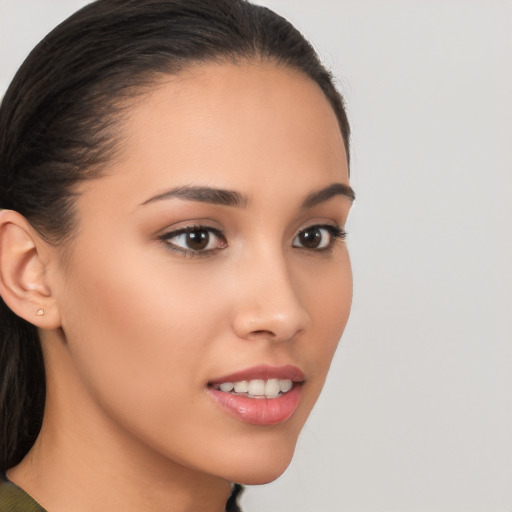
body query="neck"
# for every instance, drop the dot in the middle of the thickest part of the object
(63, 474)
(84, 462)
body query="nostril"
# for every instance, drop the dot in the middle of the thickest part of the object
(262, 333)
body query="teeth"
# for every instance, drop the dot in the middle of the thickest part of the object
(272, 387)
(257, 388)
(285, 385)
(241, 387)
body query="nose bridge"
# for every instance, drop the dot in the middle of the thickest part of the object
(268, 303)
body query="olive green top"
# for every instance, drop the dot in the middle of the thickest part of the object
(15, 499)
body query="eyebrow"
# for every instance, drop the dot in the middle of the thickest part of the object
(324, 194)
(236, 199)
(203, 195)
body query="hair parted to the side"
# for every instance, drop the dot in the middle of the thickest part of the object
(58, 127)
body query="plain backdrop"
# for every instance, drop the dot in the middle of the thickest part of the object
(417, 411)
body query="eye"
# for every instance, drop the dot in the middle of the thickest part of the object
(195, 239)
(318, 237)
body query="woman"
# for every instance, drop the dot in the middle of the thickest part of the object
(174, 186)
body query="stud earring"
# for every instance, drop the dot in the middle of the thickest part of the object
(40, 312)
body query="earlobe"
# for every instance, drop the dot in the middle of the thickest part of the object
(23, 285)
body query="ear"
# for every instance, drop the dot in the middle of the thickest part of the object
(23, 283)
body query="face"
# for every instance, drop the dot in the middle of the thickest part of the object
(207, 287)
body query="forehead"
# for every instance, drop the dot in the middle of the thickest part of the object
(231, 126)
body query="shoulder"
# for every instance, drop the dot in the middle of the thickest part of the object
(14, 499)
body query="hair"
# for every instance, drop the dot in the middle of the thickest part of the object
(58, 124)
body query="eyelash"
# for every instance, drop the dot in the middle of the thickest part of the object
(335, 233)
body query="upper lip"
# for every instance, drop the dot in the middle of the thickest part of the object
(264, 372)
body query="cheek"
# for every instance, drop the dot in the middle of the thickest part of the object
(131, 320)
(328, 298)
(142, 337)
(327, 295)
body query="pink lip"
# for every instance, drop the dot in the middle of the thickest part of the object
(264, 372)
(260, 411)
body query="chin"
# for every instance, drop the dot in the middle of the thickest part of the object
(260, 466)
(252, 476)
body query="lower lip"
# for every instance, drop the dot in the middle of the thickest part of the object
(259, 411)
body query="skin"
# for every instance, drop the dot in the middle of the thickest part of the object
(134, 329)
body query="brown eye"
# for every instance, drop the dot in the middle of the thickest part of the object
(310, 238)
(318, 237)
(195, 240)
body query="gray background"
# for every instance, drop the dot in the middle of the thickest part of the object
(417, 412)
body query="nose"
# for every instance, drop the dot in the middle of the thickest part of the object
(268, 305)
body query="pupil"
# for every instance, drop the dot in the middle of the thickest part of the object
(198, 239)
(311, 238)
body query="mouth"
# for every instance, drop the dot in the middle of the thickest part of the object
(256, 388)
(262, 395)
